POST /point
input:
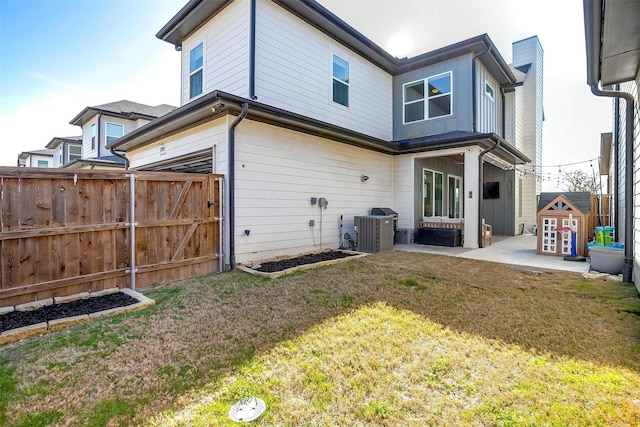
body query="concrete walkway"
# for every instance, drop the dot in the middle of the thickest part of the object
(518, 251)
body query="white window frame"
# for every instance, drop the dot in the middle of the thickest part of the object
(491, 95)
(457, 179)
(76, 156)
(106, 132)
(337, 79)
(415, 101)
(196, 71)
(433, 193)
(427, 98)
(93, 136)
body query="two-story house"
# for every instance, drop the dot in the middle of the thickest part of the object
(36, 158)
(65, 150)
(103, 124)
(292, 104)
(613, 70)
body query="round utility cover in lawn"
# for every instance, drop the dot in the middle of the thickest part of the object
(246, 410)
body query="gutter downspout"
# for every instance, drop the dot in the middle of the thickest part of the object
(231, 166)
(480, 189)
(627, 270)
(474, 96)
(252, 52)
(126, 161)
(616, 168)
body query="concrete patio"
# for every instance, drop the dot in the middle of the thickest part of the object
(518, 251)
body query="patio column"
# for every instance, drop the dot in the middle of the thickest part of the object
(471, 197)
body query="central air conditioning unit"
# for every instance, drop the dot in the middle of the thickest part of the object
(374, 233)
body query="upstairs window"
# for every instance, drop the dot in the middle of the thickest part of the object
(488, 90)
(93, 136)
(75, 152)
(428, 99)
(414, 107)
(439, 95)
(43, 164)
(340, 81)
(114, 131)
(195, 71)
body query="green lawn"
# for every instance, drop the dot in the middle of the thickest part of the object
(393, 339)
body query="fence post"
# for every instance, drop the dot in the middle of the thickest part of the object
(220, 224)
(132, 225)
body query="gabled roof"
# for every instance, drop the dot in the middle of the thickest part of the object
(57, 140)
(581, 200)
(44, 152)
(197, 12)
(124, 109)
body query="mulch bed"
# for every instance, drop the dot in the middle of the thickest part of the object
(279, 265)
(19, 319)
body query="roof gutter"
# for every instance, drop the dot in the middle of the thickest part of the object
(627, 271)
(232, 168)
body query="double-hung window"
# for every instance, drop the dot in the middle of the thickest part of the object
(428, 99)
(195, 70)
(114, 131)
(340, 81)
(75, 152)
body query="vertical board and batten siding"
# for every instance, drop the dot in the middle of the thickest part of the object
(225, 39)
(460, 120)
(65, 232)
(489, 116)
(278, 171)
(294, 72)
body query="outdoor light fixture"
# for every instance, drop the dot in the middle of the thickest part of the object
(364, 178)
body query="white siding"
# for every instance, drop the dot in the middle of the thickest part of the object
(403, 197)
(199, 138)
(529, 120)
(277, 173)
(226, 52)
(294, 72)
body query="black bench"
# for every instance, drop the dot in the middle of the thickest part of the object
(439, 236)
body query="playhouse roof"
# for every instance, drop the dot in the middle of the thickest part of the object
(581, 200)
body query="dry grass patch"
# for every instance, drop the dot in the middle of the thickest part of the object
(486, 337)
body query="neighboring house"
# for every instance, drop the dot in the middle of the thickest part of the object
(36, 159)
(303, 106)
(612, 31)
(103, 124)
(66, 150)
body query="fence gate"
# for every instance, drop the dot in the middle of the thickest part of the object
(64, 232)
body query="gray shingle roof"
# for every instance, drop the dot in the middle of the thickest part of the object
(125, 106)
(581, 200)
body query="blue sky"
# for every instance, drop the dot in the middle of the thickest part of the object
(74, 53)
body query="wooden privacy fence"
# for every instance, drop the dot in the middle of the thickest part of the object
(65, 232)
